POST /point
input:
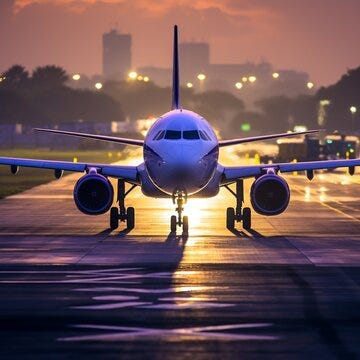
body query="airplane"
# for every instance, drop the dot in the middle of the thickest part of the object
(180, 160)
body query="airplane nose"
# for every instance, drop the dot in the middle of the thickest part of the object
(182, 171)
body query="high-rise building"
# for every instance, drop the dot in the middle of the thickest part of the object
(116, 55)
(194, 59)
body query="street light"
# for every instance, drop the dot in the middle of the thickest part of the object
(252, 78)
(310, 85)
(189, 85)
(239, 85)
(244, 79)
(76, 77)
(132, 75)
(201, 77)
(98, 85)
(146, 78)
(275, 75)
(353, 109)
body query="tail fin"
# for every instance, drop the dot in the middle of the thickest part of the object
(176, 80)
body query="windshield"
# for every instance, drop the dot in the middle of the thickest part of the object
(191, 135)
(172, 135)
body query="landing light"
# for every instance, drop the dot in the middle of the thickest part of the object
(353, 109)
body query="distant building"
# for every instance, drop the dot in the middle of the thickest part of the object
(116, 55)
(194, 59)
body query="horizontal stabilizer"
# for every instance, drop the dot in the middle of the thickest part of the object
(96, 137)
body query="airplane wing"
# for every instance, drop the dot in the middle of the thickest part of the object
(96, 137)
(263, 137)
(233, 173)
(128, 173)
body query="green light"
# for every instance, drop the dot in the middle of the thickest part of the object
(245, 127)
(329, 141)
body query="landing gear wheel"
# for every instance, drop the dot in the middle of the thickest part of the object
(130, 218)
(246, 218)
(173, 224)
(230, 218)
(185, 224)
(114, 218)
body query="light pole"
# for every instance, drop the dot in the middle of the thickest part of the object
(201, 77)
(353, 110)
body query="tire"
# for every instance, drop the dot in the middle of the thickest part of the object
(230, 218)
(185, 224)
(114, 218)
(173, 224)
(246, 218)
(130, 218)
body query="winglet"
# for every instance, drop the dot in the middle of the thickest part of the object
(176, 81)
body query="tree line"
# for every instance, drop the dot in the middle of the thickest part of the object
(45, 98)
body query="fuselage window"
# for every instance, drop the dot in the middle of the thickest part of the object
(173, 135)
(159, 135)
(191, 135)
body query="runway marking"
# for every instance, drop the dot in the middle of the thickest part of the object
(110, 306)
(300, 191)
(187, 305)
(149, 291)
(126, 333)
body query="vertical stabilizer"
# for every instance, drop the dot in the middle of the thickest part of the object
(176, 81)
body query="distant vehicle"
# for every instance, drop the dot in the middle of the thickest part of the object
(339, 146)
(181, 154)
(299, 148)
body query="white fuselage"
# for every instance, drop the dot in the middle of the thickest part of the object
(181, 152)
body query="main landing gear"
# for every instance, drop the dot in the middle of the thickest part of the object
(122, 213)
(239, 213)
(179, 198)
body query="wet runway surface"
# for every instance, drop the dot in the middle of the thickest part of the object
(289, 288)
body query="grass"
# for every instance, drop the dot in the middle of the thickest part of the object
(30, 177)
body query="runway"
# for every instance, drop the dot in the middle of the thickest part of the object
(289, 288)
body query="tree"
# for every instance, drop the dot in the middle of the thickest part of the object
(49, 77)
(15, 77)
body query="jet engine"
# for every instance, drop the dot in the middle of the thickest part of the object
(93, 193)
(270, 194)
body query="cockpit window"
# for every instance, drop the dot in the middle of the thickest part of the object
(204, 135)
(159, 135)
(191, 135)
(172, 135)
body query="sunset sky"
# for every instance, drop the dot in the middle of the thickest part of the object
(320, 37)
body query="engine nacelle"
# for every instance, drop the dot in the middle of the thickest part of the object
(270, 195)
(93, 194)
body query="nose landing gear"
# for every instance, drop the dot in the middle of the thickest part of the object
(238, 214)
(179, 198)
(122, 213)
